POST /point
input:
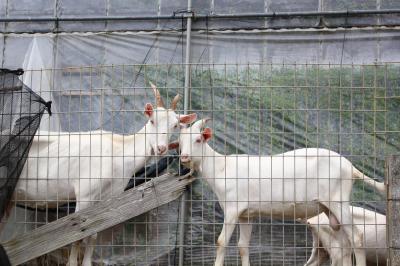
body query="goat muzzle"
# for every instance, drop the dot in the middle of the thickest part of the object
(161, 149)
(185, 158)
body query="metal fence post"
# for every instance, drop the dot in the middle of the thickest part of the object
(183, 206)
(393, 209)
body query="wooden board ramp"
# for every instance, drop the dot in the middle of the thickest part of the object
(100, 216)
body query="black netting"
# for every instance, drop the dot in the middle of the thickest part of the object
(21, 112)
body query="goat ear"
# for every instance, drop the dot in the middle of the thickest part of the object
(148, 110)
(173, 145)
(187, 119)
(206, 134)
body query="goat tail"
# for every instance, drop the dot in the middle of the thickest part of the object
(379, 186)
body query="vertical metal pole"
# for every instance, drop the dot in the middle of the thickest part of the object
(393, 209)
(378, 40)
(183, 206)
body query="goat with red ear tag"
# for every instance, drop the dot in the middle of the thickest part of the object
(284, 185)
(163, 122)
(96, 165)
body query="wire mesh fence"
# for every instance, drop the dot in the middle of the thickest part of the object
(256, 110)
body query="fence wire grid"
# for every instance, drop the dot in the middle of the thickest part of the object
(256, 109)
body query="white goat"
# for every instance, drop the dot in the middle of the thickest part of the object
(93, 166)
(338, 247)
(296, 184)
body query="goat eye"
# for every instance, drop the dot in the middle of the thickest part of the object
(198, 140)
(152, 122)
(176, 125)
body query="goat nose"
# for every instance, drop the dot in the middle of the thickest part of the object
(185, 158)
(161, 149)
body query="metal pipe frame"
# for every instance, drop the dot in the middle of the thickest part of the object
(190, 14)
(183, 207)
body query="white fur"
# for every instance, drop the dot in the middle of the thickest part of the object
(87, 167)
(296, 184)
(338, 247)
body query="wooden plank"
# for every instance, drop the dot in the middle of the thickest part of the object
(393, 209)
(99, 217)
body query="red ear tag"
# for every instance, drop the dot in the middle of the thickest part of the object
(206, 134)
(148, 109)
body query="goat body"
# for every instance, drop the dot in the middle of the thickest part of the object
(85, 167)
(338, 247)
(289, 185)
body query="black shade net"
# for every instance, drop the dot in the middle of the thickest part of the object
(21, 112)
